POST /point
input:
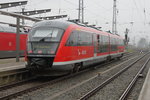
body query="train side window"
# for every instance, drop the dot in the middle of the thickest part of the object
(100, 43)
(121, 42)
(79, 38)
(113, 48)
(106, 44)
(84, 39)
(103, 44)
(73, 39)
(113, 44)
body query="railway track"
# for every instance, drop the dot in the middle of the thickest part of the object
(35, 87)
(4, 87)
(106, 82)
(13, 76)
(131, 85)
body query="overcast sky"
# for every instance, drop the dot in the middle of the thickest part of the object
(98, 12)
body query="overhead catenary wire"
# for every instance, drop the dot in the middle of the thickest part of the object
(138, 9)
(98, 6)
(89, 11)
(144, 13)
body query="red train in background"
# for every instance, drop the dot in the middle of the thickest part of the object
(8, 42)
(60, 46)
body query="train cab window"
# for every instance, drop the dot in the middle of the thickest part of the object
(44, 39)
(46, 34)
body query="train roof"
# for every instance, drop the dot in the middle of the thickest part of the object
(65, 24)
(7, 29)
(53, 23)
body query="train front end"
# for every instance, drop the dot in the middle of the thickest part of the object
(43, 42)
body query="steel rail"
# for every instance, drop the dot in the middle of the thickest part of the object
(128, 55)
(131, 85)
(95, 90)
(4, 87)
(10, 96)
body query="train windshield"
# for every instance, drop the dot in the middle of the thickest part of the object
(44, 40)
(46, 34)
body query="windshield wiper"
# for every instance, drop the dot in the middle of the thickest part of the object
(42, 39)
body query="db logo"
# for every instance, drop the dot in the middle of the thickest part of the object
(10, 44)
(83, 52)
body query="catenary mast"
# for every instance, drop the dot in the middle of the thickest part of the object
(81, 11)
(114, 21)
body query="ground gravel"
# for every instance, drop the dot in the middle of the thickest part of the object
(70, 89)
(138, 85)
(114, 90)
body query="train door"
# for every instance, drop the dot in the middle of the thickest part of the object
(96, 44)
(109, 44)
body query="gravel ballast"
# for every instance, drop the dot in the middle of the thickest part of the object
(70, 89)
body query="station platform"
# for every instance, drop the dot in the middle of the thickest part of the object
(11, 64)
(145, 92)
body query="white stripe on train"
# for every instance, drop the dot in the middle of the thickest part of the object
(82, 60)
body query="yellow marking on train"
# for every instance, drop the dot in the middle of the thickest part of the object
(41, 47)
(78, 29)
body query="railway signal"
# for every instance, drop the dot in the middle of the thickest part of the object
(126, 38)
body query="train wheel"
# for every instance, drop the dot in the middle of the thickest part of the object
(108, 58)
(118, 58)
(77, 67)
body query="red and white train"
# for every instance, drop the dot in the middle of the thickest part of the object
(8, 42)
(62, 46)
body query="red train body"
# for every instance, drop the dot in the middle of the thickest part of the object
(8, 42)
(59, 46)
